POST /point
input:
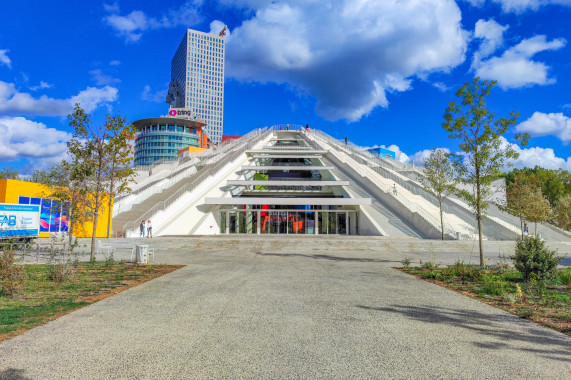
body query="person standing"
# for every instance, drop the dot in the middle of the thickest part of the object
(149, 229)
(142, 229)
(345, 140)
(395, 189)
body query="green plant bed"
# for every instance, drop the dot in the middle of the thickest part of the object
(547, 302)
(41, 299)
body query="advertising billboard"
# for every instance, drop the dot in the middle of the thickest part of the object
(19, 220)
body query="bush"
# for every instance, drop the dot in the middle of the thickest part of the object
(12, 276)
(494, 286)
(531, 256)
(564, 276)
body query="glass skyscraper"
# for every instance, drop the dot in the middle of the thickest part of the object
(197, 80)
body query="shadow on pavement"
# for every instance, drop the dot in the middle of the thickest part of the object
(326, 257)
(550, 345)
(13, 374)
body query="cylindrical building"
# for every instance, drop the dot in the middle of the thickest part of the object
(160, 138)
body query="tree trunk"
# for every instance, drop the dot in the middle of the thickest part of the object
(535, 229)
(441, 220)
(109, 204)
(70, 229)
(521, 225)
(97, 201)
(479, 214)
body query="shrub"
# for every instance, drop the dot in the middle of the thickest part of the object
(531, 256)
(564, 276)
(429, 265)
(405, 262)
(494, 286)
(12, 276)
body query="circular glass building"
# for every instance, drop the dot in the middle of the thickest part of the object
(160, 138)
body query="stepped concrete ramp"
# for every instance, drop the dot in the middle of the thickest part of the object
(287, 314)
(392, 224)
(139, 209)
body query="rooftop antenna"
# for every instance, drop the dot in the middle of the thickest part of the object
(223, 31)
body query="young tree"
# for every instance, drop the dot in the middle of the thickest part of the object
(439, 178)
(120, 173)
(483, 149)
(537, 209)
(517, 195)
(92, 149)
(67, 183)
(563, 213)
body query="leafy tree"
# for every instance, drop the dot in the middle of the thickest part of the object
(563, 213)
(68, 184)
(554, 184)
(483, 151)
(120, 174)
(518, 198)
(537, 209)
(9, 173)
(439, 178)
(92, 149)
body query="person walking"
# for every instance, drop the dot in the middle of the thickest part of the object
(142, 229)
(345, 140)
(395, 189)
(149, 229)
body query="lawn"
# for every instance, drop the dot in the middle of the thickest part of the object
(43, 299)
(545, 302)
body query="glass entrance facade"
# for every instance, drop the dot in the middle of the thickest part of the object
(285, 222)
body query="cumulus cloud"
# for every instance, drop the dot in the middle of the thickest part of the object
(4, 59)
(515, 67)
(542, 124)
(101, 79)
(419, 157)
(492, 36)
(543, 157)
(13, 102)
(23, 138)
(158, 96)
(352, 53)
(132, 25)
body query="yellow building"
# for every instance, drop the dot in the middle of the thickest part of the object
(53, 216)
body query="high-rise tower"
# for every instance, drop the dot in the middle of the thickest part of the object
(197, 79)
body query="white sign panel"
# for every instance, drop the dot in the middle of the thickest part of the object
(19, 220)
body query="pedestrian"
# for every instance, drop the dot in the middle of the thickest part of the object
(345, 140)
(142, 229)
(395, 189)
(525, 229)
(149, 229)
(307, 127)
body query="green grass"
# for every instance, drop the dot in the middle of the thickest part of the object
(42, 300)
(547, 302)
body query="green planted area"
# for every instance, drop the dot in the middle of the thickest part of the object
(543, 298)
(31, 295)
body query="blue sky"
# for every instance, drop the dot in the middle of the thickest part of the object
(380, 72)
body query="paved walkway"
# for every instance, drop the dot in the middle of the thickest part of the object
(273, 315)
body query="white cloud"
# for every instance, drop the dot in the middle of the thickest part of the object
(114, 8)
(492, 35)
(543, 157)
(418, 157)
(41, 86)
(520, 6)
(158, 96)
(114, 63)
(14, 102)
(351, 53)
(102, 79)
(400, 156)
(515, 68)
(23, 138)
(132, 26)
(441, 86)
(542, 124)
(4, 59)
